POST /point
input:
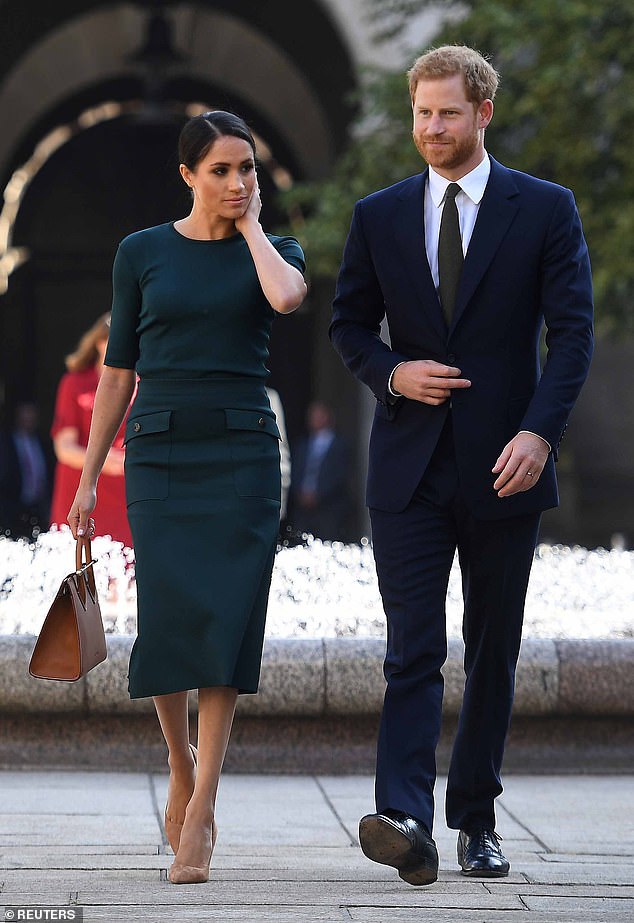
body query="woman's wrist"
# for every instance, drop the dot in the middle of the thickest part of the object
(88, 481)
(251, 228)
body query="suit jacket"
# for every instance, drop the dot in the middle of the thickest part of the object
(11, 482)
(332, 478)
(527, 262)
(330, 519)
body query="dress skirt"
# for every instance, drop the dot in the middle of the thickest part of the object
(202, 472)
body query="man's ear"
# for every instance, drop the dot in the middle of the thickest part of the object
(485, 113)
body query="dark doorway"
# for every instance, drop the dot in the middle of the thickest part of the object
(107, 181)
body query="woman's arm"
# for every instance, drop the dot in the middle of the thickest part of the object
(282, 284)
(113, 396)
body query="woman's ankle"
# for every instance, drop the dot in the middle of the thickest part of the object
(181, 762)
(199, 811)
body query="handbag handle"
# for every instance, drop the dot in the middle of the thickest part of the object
(84, 573)
(83, 550)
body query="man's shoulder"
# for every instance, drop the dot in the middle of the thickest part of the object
(385, 197)
(527, 182)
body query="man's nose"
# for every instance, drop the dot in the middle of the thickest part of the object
(435, 126)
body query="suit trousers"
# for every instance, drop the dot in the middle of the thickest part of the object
(414, 551)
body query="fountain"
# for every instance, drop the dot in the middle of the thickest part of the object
(321, 687)
(323, 590)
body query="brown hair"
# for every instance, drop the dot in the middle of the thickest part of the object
(480, 78)
(87, 354)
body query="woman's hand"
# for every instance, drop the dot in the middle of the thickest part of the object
(79, 514)
(251, 213)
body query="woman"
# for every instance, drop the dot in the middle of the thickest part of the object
(71, 425)
(192, 311)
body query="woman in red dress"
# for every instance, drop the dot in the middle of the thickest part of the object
(71, 425)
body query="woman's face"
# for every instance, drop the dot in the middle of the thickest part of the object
(223, 180)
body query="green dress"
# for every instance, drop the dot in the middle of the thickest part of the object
(202, 455)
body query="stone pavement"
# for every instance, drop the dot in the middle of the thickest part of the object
(288, 851)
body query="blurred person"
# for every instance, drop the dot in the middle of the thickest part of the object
(320, 477)
(25, 492)
(466, 261)
(285, 452)
(70, 431)
(193, 306)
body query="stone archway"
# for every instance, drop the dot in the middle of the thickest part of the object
(297, 78)
(62, 65)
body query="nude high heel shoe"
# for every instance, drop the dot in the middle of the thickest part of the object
(173, 829)
(193, 874)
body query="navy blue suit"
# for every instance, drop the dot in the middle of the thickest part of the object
(429, 478)
(328, 519)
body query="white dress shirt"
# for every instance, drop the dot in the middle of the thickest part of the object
(467, 203)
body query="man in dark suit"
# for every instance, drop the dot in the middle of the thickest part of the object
(466, 261)
(24, 476)
(319, 482)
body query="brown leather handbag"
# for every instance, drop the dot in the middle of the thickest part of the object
(72, 640)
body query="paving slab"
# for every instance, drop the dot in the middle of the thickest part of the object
(288, 852)
(558, 905)
(444, 915)
(219, 914)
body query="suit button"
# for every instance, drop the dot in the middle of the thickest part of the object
(451, 358)
(261, 421)
(137, 427)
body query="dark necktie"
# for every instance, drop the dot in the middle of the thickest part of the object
(450, 256)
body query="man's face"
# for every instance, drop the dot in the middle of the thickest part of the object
(449, 129)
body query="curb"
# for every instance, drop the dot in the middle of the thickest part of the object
(329, 677)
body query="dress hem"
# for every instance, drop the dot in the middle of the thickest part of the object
(147, 695)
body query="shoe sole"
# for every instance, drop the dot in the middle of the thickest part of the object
(483, 873)
(385, 844)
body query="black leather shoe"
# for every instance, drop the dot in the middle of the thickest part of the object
(396, 839)
(480, 856)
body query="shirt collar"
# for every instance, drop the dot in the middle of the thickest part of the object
(472, 184)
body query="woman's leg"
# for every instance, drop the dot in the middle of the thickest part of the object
(216, 707)
(172, 711)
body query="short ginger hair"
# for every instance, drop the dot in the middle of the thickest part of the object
(480, 77)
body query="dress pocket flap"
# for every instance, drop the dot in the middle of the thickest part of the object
(252, 420)
(157, 422)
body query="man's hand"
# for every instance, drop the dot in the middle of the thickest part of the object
(427, 381)
(520, 464)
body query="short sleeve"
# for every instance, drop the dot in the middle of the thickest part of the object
(123, 342)
(290, 249)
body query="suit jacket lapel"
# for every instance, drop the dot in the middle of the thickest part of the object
(409, 234)
(497, 210)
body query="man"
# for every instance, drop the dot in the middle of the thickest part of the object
(285, 453)
(24, 476)
(320, 477)
(466, 261)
